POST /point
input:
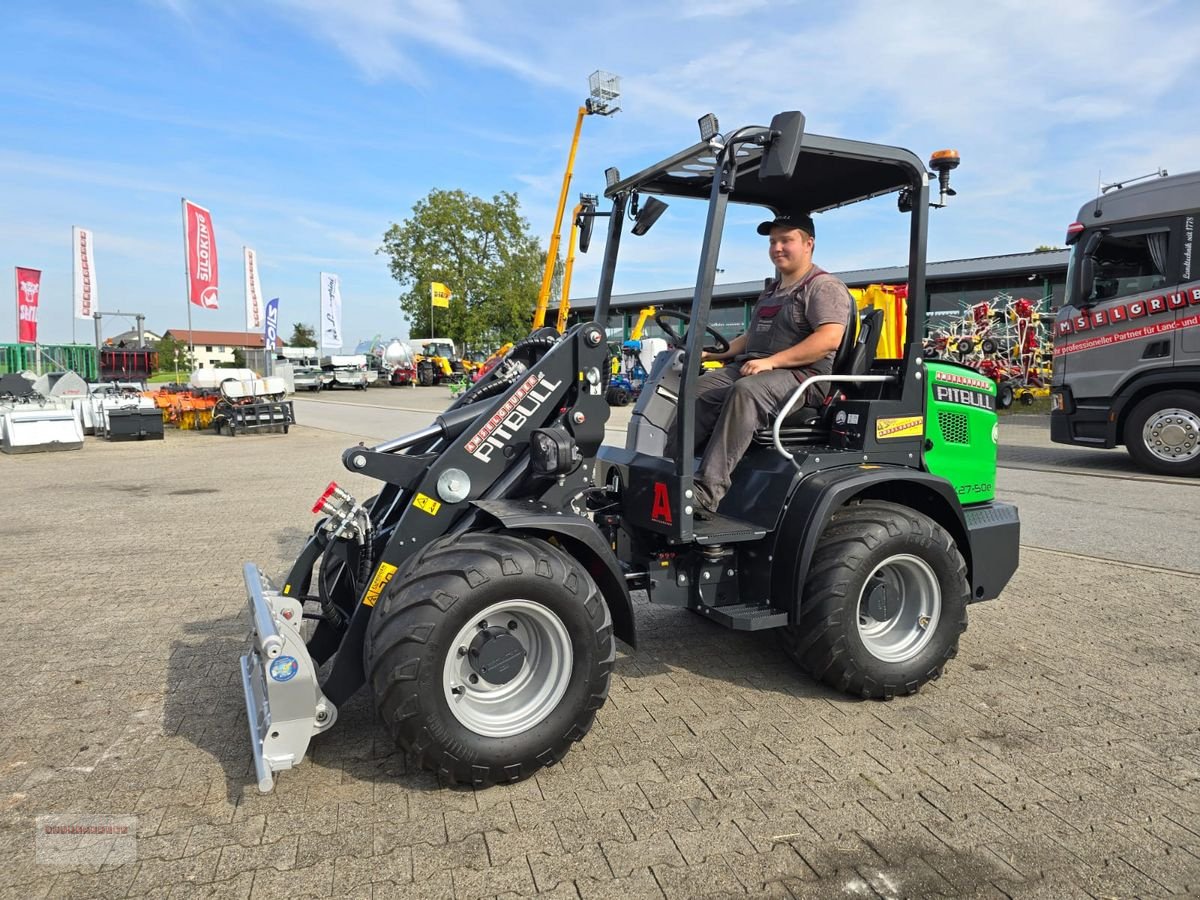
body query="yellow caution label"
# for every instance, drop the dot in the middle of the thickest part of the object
(898, 427)
(426, 504)
(287, 589)
(382, 576)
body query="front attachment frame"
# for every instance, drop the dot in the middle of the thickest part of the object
(285, 707)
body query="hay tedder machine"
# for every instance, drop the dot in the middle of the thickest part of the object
(479, 593)
(1007, 340)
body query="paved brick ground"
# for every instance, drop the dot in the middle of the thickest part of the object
(1059, 757)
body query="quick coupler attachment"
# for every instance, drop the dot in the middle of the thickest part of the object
(284, 703)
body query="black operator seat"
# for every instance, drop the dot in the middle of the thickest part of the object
(854, 356)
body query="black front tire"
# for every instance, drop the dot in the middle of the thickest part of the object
(1004, 395)
(1178, 410)
(830, 641)
(413, 638)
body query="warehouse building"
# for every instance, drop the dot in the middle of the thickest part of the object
(951, 285)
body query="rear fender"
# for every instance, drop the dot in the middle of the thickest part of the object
(583, 540)
(818, 497)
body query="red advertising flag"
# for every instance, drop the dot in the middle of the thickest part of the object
(29, 284)
(201, 255)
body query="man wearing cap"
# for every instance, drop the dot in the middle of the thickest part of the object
(798, 324)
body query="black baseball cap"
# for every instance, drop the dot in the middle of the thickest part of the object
(789, 220)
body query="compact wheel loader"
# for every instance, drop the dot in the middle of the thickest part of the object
(479, 594)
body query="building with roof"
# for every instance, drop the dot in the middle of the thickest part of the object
(131, 338)
(950, 285)
(215, 348)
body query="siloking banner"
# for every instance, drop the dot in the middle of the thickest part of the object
(84, 251)
(271, 326)
(254, 304)
(201, 255)
(331, 311)
(29, 285)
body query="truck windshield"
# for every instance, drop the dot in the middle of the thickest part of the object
(1126, 262)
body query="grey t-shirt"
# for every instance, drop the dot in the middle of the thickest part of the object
(783, 318)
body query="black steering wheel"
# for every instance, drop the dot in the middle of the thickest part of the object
(678, 340)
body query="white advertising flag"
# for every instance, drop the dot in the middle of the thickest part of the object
(254, 303)
(331, 312)
(83, 249)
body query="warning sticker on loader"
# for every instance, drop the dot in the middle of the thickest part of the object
(899, 427)
(382, 576)
(426, 504)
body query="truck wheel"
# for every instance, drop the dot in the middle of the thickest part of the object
(884, 603)
(1162, 433)
(488, 656)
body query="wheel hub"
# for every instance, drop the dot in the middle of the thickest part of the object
(496, 655)
(877, 602)
(507, 668)
(899, 608)
(1173, 434)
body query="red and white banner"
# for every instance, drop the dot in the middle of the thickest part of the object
(29, 285)
(201, 255)
(254, 304)
(84, 249)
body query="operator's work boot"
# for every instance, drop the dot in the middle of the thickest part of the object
(703, 508)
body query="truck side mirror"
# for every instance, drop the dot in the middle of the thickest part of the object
(1087, 268)
(1087, 279)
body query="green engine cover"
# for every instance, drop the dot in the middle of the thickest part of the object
(961, 432)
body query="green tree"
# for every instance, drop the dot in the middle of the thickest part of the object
(302, 336)
(167, 348)
(482, 250)
(1040, 247)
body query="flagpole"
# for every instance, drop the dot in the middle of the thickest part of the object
(187, 285)
(74, 285)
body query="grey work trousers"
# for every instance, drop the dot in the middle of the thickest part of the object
(729, 409)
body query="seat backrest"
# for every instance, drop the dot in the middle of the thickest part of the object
(863, 356)
(842, 358)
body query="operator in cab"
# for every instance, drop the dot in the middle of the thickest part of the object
(798, 324)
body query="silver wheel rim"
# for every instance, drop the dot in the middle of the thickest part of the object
(503, 710)
(899, 608)
(1172, 435)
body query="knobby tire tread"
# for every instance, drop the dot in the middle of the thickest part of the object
(819, 641)
(422, 593)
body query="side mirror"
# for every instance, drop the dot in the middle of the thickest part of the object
(648, 215)
(585, 221)
(1087, 280)
(1087, 267)
(779, 159)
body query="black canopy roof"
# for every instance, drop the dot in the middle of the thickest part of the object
(829, 172)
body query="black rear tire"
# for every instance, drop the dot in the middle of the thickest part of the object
(413, 640)
(862, 542)
(1004, 395)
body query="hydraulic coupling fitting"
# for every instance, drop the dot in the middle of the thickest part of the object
(345, 518)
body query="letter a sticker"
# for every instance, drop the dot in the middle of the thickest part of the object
(660, 511)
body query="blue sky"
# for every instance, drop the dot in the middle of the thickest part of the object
(309, 127)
